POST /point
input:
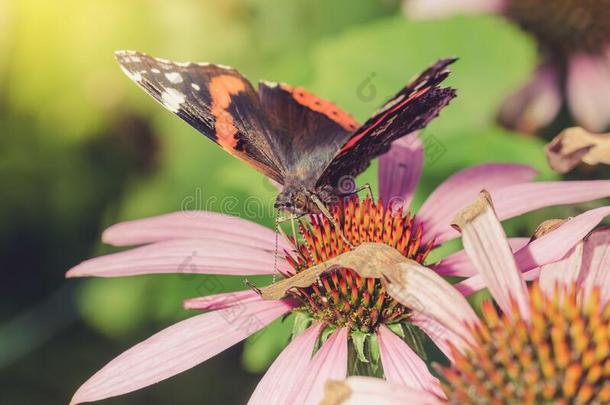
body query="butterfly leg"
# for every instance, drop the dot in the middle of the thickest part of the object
(366, 186)
(328, 215)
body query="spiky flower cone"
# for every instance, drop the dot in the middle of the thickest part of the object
(343, 298)
(561, 357)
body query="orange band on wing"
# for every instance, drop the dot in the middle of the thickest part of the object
(221, 89)
(317, 104)
(356, 138)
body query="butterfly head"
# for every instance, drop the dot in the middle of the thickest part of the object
(294, 199)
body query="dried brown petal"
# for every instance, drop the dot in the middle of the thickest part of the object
(369, 260)
(574, 146)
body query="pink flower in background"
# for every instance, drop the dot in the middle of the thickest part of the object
(210, 243)
(574, 42)
(549, 344)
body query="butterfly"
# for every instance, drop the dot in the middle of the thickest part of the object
(302, 142)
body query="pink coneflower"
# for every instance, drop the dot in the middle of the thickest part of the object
(550, 342)
(574, 41)
(350, 307)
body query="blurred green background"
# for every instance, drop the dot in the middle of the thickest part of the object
(82, 147)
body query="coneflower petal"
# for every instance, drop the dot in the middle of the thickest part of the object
(486, 244)
(199, 256)
(401, 365)
(179, 348)
(588, 90)
(369, 390)
(438, 333)
(563, 272)
(222, 300)
(287, 370)
(400, 170)
(423, 291)
(462, 188)
(518, 199)
(192, 225)
(596, 263)
(534, 105)
(546, 249)
(458, 264)
(330, 362)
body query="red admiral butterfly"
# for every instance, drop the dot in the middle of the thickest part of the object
(304, 143)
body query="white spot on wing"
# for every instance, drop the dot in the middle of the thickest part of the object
(135, 76)
(125, 52)
(155, 70)
(174, 77)
(172, 99)
(195, 86)
(269, 84)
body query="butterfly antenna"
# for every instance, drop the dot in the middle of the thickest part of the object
(277, 242)
(328, 215)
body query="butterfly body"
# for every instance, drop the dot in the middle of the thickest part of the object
(304, 143)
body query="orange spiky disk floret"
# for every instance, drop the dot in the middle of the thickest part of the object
(562, 356)
(343, 298)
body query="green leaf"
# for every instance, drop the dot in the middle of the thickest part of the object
(302, 320)
(397, 329)
(359, 339)
(414, 337)
(374, 355)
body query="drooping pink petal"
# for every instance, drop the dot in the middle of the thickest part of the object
(375, 391)
(588, 89)
(458, 264)
(287, 370)
(192, 225)
(460, 189)
(425, 9)
(563, 272)
(534, 105)
(330, 362)
(546, 249)
(200, 256)
(424, 291)
(402, 366)
(222, 300)
(596, 263)
(487, 247)
(400, 170)
(439, 334)
(179, 348)
(518, 199)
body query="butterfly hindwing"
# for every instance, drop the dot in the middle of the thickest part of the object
(216, 100)
(311, 130)
(409, 110)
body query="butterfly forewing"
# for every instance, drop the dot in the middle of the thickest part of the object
(409, 110)
(216, 100)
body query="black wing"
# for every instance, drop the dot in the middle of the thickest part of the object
(216, 100)
(411, 109)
